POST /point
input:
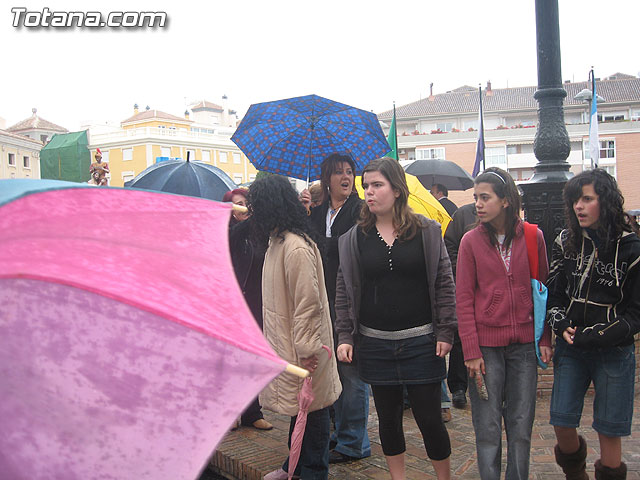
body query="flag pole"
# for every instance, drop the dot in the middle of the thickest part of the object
(594, 142)
(484, 166)
(480, 145)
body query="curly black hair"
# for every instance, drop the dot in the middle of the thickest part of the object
(275, 208)
(612, 220)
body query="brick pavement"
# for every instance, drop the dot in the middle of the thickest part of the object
(249, 454)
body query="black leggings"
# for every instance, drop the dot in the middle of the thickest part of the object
(425, 404)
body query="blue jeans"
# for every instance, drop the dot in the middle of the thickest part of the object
(612, 371)
(314, 451)
(511, 381)
(352, 414)
(445, 401)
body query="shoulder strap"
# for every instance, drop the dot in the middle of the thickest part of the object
(531, 238)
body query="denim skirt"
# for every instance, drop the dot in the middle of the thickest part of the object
(397, 362)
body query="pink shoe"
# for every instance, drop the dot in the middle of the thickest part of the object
(279, 474)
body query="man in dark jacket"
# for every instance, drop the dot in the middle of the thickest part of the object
(464, 219)
(440, 192)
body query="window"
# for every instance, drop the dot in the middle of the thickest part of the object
(127, 176)
(127, 154)
(237, 177)
(610, 169)
(635, 115)
(43, 138)
(513, 149)
(206, 156)
(165, 152)
(607, 150)
(430, 153)
(495, 157)
(191, 155)
(12, 159)
(236, 158)
(25, 162)
(252, 177)
(610, 117)
(470, 124)
(223, 157)
(444, 127)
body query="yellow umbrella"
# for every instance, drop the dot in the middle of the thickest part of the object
(420, 200)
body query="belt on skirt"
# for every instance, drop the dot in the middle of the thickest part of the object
(397, 334)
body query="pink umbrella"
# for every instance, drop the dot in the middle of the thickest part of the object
(126, 348)
(305, 398)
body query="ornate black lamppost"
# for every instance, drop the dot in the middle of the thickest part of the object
(542, 198)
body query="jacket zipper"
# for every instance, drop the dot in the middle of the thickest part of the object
(586, 300)
(601, 332)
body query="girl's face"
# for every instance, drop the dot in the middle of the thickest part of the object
(240, 200)
(378, 193)
(490, 207)
(341, 182)
(587, 207)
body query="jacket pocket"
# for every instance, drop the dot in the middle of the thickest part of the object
(496, 299)
(525, 296)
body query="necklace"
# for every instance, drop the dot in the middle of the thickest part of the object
(334, 210)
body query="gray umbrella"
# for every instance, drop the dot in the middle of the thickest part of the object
(443, 172)
(196, 179)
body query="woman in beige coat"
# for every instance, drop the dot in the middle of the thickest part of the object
(296, 318)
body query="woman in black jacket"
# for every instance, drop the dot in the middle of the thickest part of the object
(337, 213)
(594, 309)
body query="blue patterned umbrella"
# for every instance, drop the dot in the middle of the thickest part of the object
(292, 137)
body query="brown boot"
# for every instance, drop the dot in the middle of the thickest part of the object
(608, 473)
(574, 464)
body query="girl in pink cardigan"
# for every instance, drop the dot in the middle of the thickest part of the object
(495, 321)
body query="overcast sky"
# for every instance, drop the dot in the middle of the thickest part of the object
(363, 53)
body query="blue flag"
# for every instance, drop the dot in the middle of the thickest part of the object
(480, 148)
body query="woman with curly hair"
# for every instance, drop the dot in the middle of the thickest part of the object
(296, 318)
(594, 309)
(395, 313)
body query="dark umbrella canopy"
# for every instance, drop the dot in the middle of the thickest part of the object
(293, 136)
(443, 172)
(195, 179)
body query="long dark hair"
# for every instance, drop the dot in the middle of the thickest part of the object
(505, 188)
(328, 166)
(612, 221)
(405, 222)
(276, 209)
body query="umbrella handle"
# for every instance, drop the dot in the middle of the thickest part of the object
(239, 208)
(297, 371)
(329, 352)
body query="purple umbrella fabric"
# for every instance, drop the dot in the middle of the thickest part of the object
(126, 347)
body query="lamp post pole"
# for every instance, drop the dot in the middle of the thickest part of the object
(542, 199)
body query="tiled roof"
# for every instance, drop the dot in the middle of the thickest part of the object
(461, 101)
(206, 105)
(149, 114)
(34, 122)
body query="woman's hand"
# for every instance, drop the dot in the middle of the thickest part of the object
(310, 363)
(475, 367)
(345, 352)
(305, 198)
(545, 354)
(442, 348)
(568, 335)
